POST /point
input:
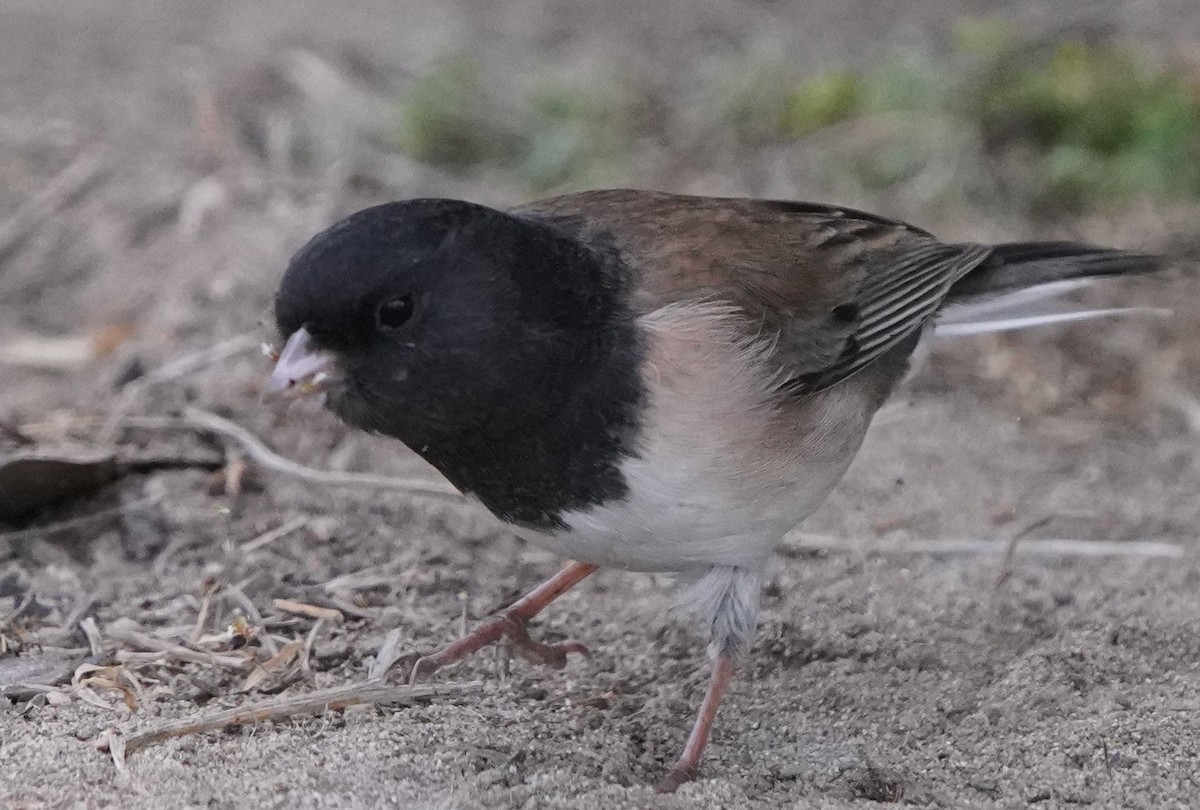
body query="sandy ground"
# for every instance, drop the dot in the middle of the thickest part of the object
(882, 672)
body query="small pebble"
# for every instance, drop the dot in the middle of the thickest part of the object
(86, 733)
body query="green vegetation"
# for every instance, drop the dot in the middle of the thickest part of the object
(442, 119)
(820, 102)
(1104, 124)
(574, 137)
(1067, 123)
(1083, 123)
(561, 135)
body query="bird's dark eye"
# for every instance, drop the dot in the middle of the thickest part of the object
(395, 312)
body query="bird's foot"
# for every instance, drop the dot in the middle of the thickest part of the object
(537, 652)
(511, 624)
(505, 626)
(681, 773)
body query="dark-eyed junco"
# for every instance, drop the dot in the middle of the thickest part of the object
(635, 379)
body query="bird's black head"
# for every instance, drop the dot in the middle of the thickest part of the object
(454, 327)
(402, 300)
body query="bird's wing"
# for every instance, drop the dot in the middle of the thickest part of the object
(831, 289)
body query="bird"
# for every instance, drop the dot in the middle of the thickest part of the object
(641, 380)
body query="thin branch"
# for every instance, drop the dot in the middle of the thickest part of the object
(172, 370)
(126, 633)
(79, 522)
(307, 651)
(202, 614)
(350, 609)
(802, 541)
(55, 195)
(92, 633)
(271, 536)
(369, 577)
(178, 367)
(305, 609)
(268, 458)
(389, 653)
(334, 699)
(198, 419)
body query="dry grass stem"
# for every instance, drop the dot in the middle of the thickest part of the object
(389, 653)
(92, 632)
(125, 632)
(275, 666)
(79, 522)
(368, 577)
(309, 641)
(305, 609)
(269, 459)
(1054, 547)
(202, 614)
(194, 361)
(333, 699)
(268, 537)
(171, 370)
(59, 192)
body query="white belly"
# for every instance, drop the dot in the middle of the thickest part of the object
(727, 464)
(676, 521)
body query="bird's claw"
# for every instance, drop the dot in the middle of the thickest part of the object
(423, 665)
(680, 774)
(511, 628)
(536, 652)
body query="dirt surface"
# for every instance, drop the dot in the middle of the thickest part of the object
(883, 672)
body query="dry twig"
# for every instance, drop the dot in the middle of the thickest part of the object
(268, 458)
(369, 577)
(79, 522)
(334, 699)
(172, 370)
(194, 361)
(350, 609)
(309, 641)
(277, 664)
(802, 541)
(92, 633)
(197, 419)
(271, 536)
(202, 614)
(55, 195)
(305, 609)
(127, 632)
(389, 653)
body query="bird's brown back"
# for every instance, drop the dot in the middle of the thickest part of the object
(832, 288)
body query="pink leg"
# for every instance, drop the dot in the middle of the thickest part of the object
(689, 762)
(511, 623)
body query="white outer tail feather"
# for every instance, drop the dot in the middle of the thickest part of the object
(1032, 306)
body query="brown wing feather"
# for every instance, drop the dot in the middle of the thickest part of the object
(832, 288)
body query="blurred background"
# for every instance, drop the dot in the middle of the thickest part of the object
(160, 161)
(202, 142)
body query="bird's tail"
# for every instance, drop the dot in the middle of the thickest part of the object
(1021, 284)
